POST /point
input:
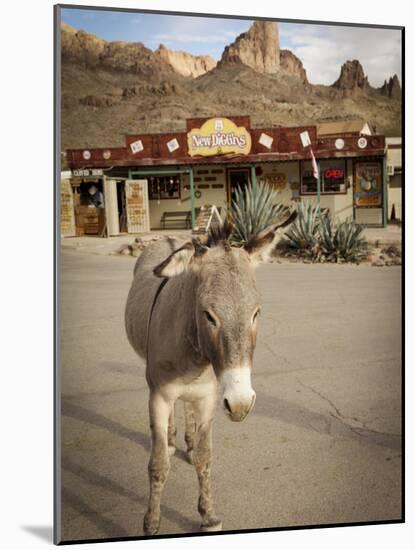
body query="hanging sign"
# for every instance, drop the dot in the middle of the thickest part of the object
(368, 190)
(136, 146)
(85, 172)
(219, 136)
(172, 145)
(305, 138)
(266, 140)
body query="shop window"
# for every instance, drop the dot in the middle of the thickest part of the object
(164, 187)
(332, 177)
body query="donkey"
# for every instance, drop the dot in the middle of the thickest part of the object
(196, 328)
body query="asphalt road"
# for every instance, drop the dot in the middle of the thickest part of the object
(322, 445)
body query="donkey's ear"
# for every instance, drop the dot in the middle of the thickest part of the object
(180, 260)
(261, 244)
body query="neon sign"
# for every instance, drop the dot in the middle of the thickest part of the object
(334, 174)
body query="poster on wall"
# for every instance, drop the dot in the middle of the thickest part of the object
(198, 391)
(136, 193)
(369, 184)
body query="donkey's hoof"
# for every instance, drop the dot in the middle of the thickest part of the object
(150, 526)
(189, 455)
(213, 526)
(172, 450)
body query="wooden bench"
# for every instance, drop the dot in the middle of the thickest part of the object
(180, 220)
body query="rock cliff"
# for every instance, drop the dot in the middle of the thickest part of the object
(257, 48)
(185, 63)
(391, 88)
(133, 57)
(89, 51)
(352, 77)
(292, 65)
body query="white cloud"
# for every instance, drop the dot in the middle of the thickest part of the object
(323, 50)
(207, 35)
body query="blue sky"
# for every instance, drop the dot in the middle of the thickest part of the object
(322, 49)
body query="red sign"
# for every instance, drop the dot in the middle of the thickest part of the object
(334, 174)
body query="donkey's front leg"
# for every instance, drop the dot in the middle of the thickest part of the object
(190, 429)
(204, 411)
(158, 467)
(172, 431)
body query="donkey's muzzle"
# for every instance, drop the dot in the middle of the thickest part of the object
(238, 396)
(238, 411)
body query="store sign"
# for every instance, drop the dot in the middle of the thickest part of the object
(277, 181)
(334, 174)
(368, 191)
(218, 136)
(85, 172)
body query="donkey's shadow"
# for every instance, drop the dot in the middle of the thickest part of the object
(96, 419)
(96, 479)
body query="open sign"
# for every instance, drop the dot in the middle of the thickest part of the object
(334, 174)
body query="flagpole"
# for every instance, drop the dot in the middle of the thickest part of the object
(316, 173)
(318, 187)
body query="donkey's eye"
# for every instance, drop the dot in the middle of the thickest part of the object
(255, 316)
(210, 318)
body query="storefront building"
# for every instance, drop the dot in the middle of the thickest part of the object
(394, 173)
(164, 180)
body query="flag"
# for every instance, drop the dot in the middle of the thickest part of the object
(314, 164)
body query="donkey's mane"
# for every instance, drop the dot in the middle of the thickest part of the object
(219, 234)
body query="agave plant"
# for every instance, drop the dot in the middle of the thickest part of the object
(317, 236)
(303, 234)
(351, 246)
(327, 237)
(254, 208)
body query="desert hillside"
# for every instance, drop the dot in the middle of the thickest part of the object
(110, 89)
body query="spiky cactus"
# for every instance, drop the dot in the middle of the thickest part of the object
(254, 208)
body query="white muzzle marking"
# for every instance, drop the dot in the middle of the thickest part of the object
(238, 395)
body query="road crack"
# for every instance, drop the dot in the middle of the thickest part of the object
(360, 429)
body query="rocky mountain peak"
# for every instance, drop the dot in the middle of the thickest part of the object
(89, 51)
(352, 77)
(257, 48)
(391, 88)
(291, 64)
(185, 63)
